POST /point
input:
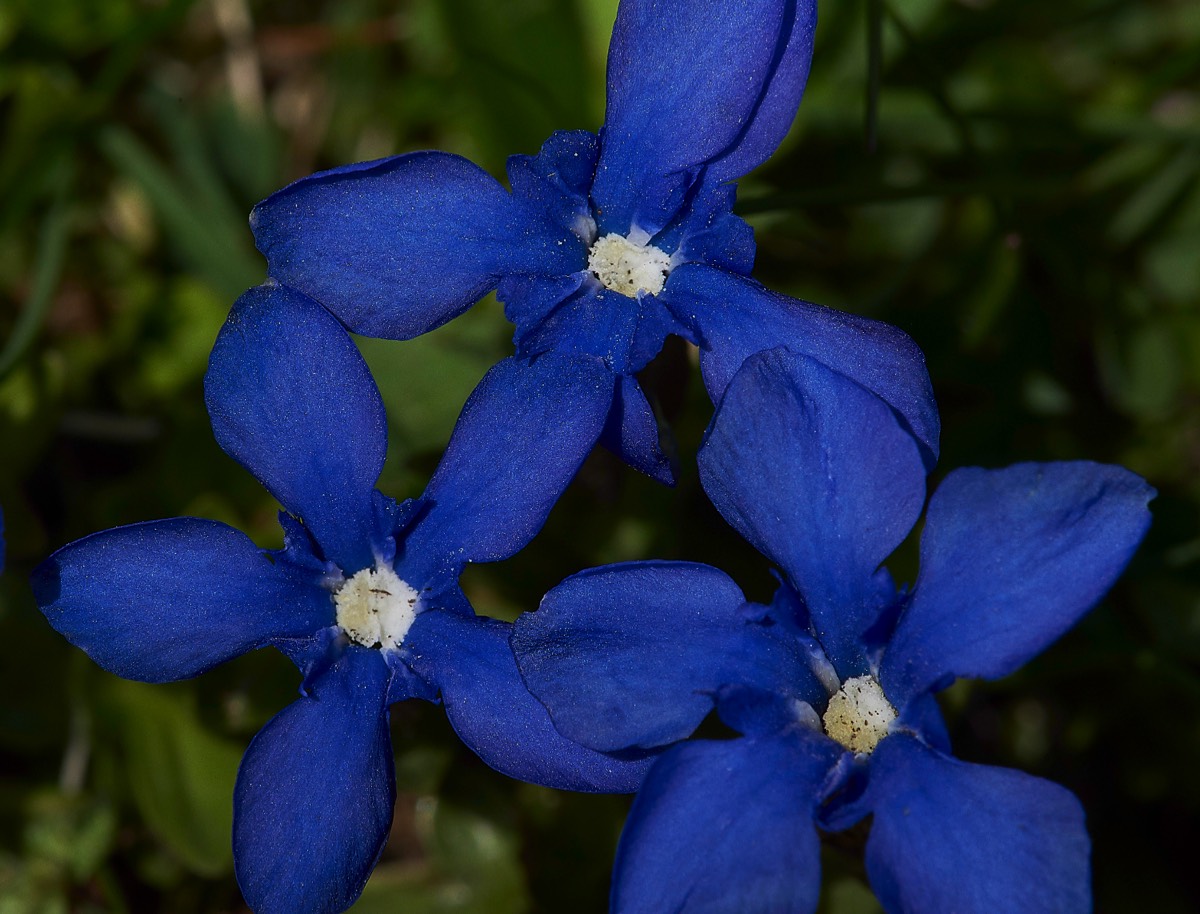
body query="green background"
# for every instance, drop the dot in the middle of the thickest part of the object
(1016, 183)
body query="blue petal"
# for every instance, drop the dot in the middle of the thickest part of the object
(706, 230)
(756, 712)
(726, 826)
(557, 182)
(817, 473)
(293, 401)
(1011, 559)
(684, 80)
(736, 317)
(632, 432)
(923, 716)
(635, 654)
(468, 658)
(315, 794)
(170, 599)
(953, 838)
(575, 315)
(777, 108)
(519, 441)
(401, 245)
(531, 302)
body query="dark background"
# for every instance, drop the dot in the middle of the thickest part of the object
(1016, 183)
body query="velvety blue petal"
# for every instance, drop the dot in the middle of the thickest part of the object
(519, 440)
(401, 245)
(632, 433)
(726, 826)
(953, 838)
(710, 233)
(818, 474)
(293, 401)
(684, 80)
(587, 321)
(314, 653)
(531, 301)
(923, 716)
(1011, 559)
(575, 315)
(406, 683)
(557, 182)
(315, 794)
(777, 108)
(634, 654)
(469, 659)
(170, 599)
(736, 317)
(756, 712)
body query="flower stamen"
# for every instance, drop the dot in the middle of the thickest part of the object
(375, 608)
(627, 267)
(859, 715)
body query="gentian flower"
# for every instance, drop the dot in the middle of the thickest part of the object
(831, 686)
(363, 597)
(606, 244)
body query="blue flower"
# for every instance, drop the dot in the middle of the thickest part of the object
(606, 244)
(363, 597)
(831, 687)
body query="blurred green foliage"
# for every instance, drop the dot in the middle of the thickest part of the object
(1015, 183)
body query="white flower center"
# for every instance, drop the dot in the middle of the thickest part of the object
(859, 715)
(375, 607)
(628, 267)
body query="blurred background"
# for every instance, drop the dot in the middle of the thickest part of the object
(1016, 183)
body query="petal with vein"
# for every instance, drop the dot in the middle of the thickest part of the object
(315, 794)
(170, 599)
(949, 837)
(292, 400)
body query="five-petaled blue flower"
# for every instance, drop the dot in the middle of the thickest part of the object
(606, 244)
(832, 685)
(363, 597)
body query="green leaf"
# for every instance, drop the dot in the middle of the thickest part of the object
(849, 896)
(71, 832)
(1143, 370)
(425, 382)
(52, 245)
(191, 316)
(180, 774)
(473, 867)
(1155, 196)
(525, 62)
(993, 289)
(201, 226)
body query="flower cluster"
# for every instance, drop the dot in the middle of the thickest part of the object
(824, 432)
(831, 686)
(363, 597)
(607, 244)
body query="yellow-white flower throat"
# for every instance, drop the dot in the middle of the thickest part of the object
(859, 715)
(627, 266)
(375, 608)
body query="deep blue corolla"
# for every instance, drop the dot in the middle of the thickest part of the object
(606, 244)
(831, 686)
(363, 597)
